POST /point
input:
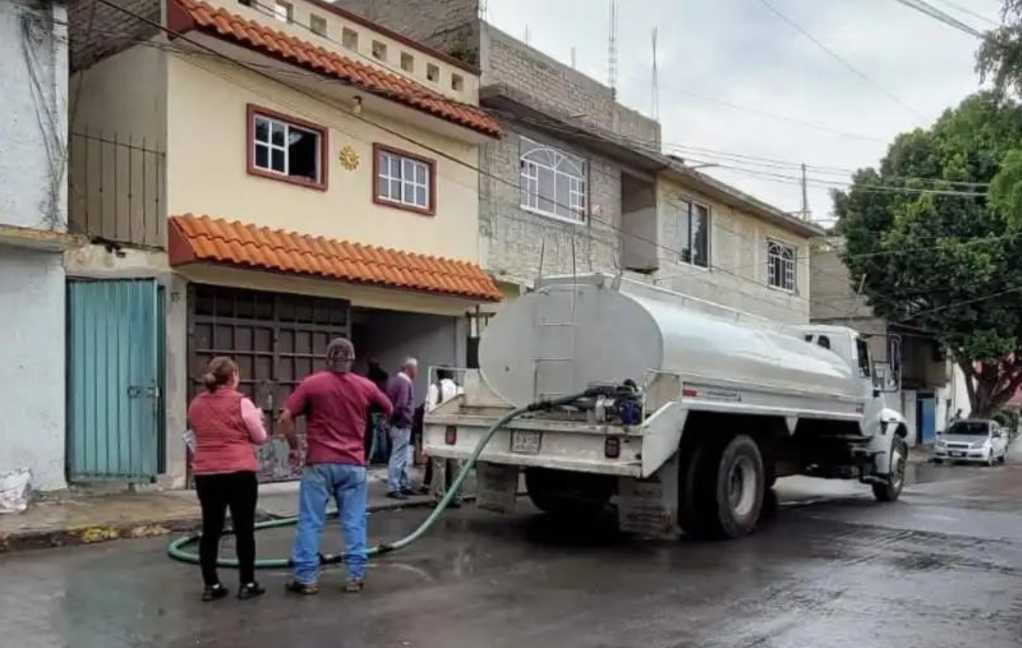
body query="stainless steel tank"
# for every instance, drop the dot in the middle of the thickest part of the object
(572, 333)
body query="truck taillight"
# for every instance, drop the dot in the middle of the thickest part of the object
(612, 447)
(451, 435)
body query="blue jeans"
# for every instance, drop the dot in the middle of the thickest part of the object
(400, 459)
(347, 484)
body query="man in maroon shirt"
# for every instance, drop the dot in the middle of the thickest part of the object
(335, 404)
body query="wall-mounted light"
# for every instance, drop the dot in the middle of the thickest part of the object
(356, 105)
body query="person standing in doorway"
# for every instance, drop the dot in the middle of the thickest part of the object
(444, 471)
(401, 391)
(226, 425)
(335, 404)
(377, 422)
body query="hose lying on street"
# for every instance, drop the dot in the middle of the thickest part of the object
(176, 549)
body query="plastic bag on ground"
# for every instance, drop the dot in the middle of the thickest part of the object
(15, 488)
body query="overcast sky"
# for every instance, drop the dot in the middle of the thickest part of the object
(724, 62)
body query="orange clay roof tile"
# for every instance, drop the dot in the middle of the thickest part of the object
(196, 14)
(204, 239)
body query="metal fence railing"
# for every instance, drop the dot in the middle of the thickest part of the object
(117, 189)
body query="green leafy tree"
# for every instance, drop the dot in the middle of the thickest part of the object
(944, 255)
(1000, 57)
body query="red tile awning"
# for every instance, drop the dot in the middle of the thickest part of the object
(201, 239)
(184, 16)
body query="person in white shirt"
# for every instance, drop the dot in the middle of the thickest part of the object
(443, 470)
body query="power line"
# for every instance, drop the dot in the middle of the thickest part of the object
(759, 161)
(962, 303)
(927, 9)
(648, 145)
(856, 71)
(969, 12)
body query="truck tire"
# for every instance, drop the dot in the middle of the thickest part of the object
(568, 494)
(890, 490)
(724, 493)
(692, 514)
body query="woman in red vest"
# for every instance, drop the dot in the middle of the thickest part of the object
(226, 425)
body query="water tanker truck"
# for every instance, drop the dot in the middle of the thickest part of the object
(682, 412)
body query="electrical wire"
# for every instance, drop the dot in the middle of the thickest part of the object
(969, 12)
(840, 59)
(927, 9)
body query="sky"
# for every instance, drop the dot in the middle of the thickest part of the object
(736, 79)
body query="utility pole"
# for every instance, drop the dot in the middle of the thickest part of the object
(612, 50)
(805, 195)
(573, 57)
(525, 36)
(482, 10)
(655, 90)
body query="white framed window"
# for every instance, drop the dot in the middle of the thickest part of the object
(782, 269)
(553, 183)
(317, 24)
(283, 11)
(286, 149)
(694, 234)
(404, 180)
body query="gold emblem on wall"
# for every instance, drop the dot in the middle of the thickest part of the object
(349, 158)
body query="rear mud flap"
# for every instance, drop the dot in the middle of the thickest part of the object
(649, 507)
(497, 487)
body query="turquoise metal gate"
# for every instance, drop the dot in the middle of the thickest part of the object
(114, 357)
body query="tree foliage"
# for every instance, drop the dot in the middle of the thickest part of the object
(949, 264)
(1000, 57)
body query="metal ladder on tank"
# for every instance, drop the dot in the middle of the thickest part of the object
(558, 360)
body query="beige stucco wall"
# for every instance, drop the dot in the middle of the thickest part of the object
(123, 94)
(737, 276)
(299, 27)
(207, 172)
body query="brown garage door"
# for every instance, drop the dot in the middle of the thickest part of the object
(277, 339)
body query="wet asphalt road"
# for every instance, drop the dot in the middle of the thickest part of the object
(831, 568)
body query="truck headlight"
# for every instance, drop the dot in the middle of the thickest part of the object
(978, 445)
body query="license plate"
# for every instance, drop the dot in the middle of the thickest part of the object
(525, 442)
(957, 454)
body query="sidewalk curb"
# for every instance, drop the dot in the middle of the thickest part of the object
(70, 537)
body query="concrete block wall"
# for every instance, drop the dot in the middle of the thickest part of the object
(451, 26)
(512, 237)
(559, 89)
(98, 30)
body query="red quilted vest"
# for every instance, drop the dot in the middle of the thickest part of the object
(222, 443)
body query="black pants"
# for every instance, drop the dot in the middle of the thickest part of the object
(238, 491)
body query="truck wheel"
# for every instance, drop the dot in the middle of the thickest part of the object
(569, 494)
(890, 490)
(692, 514)
(727, 488)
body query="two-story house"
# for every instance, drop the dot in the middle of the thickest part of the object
(257, 177)
(579, 182)
(33, 232)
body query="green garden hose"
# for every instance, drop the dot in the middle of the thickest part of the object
(176, 549)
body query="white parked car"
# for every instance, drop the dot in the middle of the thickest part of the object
(976, 440)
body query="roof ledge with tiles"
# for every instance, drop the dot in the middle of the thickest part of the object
(186, 16)
(201, 239)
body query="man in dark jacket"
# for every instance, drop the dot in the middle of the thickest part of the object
(401, 391)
